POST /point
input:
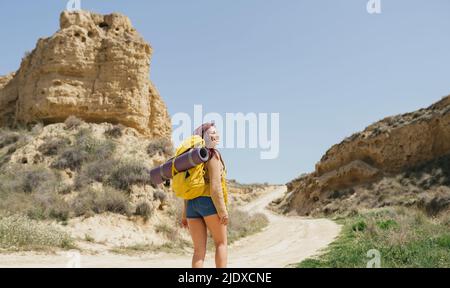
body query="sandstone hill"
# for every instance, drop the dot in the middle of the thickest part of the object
(80, 126)
(400, 160)
(96, 67)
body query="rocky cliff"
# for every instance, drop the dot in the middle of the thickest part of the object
(389, 163)
(96, 67)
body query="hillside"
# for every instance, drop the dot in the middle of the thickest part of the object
(81, 124)
(401, 160)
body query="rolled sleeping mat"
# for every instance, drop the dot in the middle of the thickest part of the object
(182, 163)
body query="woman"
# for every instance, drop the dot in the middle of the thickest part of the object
(209, 211)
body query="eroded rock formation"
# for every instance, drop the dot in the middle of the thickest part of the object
(383, 149)
(95, 67)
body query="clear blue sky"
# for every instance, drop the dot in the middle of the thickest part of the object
(328, 67)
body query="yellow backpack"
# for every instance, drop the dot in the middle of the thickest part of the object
(191, 183)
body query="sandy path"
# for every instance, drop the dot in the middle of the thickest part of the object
(286, 240)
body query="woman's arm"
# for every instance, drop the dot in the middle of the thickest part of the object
(184, 208)
(184, 223)
(215, 179)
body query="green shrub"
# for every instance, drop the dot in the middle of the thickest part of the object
(387, 224)
(444, 241)
(359, 226)
(401, 240)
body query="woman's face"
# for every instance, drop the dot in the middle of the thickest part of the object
(212, 139)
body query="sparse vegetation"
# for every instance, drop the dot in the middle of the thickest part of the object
(86, 149)
(20, 233)
(404, 237)
(8, 138)
(98, 171)
(243, 224)
(33, 191)
(138, 249)
(116, 131)
(162, 146)
(53, 146)
(71, 158)
(89, 238)
(145, 209)
(91, 201)
(73, 122)
(160, 195)
(127, 174)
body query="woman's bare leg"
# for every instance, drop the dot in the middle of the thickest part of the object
(198, 231)
(219, 234)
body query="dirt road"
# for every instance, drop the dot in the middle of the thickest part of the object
(286, 240)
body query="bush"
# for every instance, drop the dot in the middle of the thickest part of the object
(243, 224)
(86, 149)
(171, 232)
(53, 147)
(33, 191)
(96, 149)
(145, 210)
(73, 122)
(8, 138)
(22, 233)
(161, 145)
(109, 200)
(71, 158)
(28, 180)
(98, 171)
(128, 174)
(359, 226)
(115, 132)
(49, 206)
(160, 195)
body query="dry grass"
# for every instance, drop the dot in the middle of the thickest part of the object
(86, 149)
(18, 233)
(145, 209)
(127, 174)
(90, 201)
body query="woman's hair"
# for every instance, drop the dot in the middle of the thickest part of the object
(201, 131)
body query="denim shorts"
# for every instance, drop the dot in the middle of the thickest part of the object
(200, 207)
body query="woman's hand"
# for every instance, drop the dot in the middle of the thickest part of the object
(224, 219)
(184, 223)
